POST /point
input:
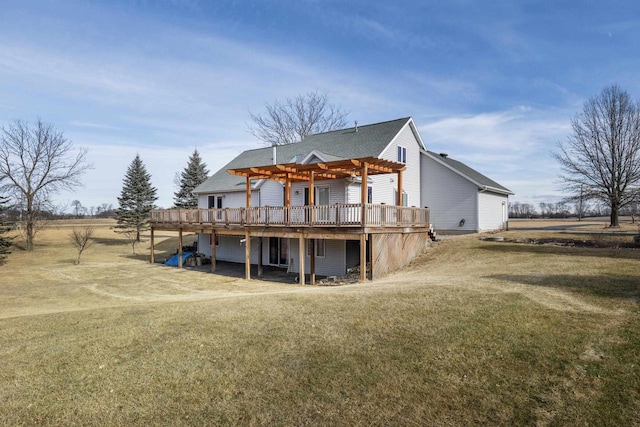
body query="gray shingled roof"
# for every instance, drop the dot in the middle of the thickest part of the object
(368, 141)
(470, 173)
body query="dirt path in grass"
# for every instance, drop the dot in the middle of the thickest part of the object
(455, 264)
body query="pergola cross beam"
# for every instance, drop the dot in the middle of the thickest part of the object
(294, 172)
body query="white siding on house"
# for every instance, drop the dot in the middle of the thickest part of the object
(333, 264)
(352, 193)
(202, 201)
(450, 198)
(493, 212)
(204, 247)
(384, 186)
(239, 199)
(230, 248)
(336, 191)
(230, 200)
(271, 193)
(233, 250)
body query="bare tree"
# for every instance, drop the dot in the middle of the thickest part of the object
(601, 158)
(132, 238)
(81, 239)
(78, 209)
(522, 210)
(36, 162)
(290, 121)
(5, 242)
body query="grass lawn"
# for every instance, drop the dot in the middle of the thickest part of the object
(471, 333)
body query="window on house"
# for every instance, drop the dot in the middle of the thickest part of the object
(369, 194)
(402, 154)
(278, 251)
(217, 203)
(320, 248)
(322, 198)
(405, 197)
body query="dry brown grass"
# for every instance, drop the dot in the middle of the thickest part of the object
(600, 224)
(470, 333)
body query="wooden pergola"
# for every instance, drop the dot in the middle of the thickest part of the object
(294, 172)
(338, 169)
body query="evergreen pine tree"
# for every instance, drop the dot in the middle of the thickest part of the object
(136, 199)
(5, 243)
(193, 175)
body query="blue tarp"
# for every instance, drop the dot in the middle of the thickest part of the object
(173, 261)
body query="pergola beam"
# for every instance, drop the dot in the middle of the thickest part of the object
(294, 172)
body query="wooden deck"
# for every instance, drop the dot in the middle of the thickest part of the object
(364, 222)
(339, 216)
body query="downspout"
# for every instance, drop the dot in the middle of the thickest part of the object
(482, 190)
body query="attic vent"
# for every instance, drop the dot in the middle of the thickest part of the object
(444, 155)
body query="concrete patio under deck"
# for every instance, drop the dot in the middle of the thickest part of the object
(237, 270)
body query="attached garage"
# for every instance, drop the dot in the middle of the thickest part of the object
(461, 199)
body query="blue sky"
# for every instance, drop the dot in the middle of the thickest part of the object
(494, 84)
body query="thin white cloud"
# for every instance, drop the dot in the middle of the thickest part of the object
(431, 84)
(372, 27)
(392, 35)
(103, 183)
(513, 147)
(518, 129)
(81, 124)
(37, 63)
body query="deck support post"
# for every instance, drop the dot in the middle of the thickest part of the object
(213, 251)
(364, 191)
(260, 267)
(180, 248)
(287, 199)
(247, 255)
(301, 259)
(312, 200)
(312, 261)
(363, 258)
(399, 195)
(152, 257)
(248, 192)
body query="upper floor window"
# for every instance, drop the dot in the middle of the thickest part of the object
(402, 154)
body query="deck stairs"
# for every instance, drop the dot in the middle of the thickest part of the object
(432, 233)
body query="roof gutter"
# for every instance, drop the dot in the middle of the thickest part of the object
(486, 188)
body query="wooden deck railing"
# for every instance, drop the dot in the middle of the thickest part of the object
(339, 215)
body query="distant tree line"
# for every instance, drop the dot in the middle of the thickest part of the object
(16, 213)
(569, 210)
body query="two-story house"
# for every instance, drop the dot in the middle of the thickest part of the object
(333, 201)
